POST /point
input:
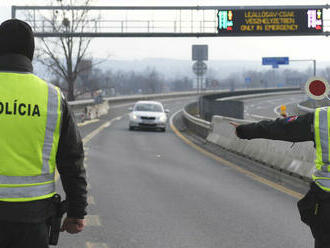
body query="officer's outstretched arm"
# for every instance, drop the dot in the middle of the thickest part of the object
(293, 129)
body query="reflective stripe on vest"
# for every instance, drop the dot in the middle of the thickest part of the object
(30, 116)
(34, 191)
(321, 175)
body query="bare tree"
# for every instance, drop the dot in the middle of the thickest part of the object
(64, 55)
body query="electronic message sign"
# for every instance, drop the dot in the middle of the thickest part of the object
(270, 22)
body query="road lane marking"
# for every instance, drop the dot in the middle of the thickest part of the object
(108, 123)
(95, 132)
(81, 124)
(93, 220)
(91, 200)
(234, 166)
(276, 109)
(96, 245)
(99, 129)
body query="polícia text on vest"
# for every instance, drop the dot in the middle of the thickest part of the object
(19, 108)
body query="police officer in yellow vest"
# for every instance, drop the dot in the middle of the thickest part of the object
(37, 134)
(314, 208)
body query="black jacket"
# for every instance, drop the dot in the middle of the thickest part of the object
(293, 128)
(69, 160)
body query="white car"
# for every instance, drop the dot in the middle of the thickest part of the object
(148, 114)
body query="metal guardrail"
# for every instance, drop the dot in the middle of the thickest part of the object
(196, 120)
(310, 105)
(305, 109)
(195, 124)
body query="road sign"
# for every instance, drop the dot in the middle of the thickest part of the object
(275, 61)
(265, 21)
(199, 68)
(317, 88)
(199, 52)
(247, 80)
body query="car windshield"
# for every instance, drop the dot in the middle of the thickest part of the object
(148, 107)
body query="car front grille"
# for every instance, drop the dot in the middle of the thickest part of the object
(147, 118)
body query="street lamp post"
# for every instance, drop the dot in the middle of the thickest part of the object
(304, 60)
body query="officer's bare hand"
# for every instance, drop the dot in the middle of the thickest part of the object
(72, 225)
(235, 124)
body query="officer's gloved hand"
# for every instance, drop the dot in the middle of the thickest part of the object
(72, 225)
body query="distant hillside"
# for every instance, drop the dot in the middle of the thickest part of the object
(173, 68)
(176, 68)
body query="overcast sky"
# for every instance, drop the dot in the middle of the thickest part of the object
(220, 48)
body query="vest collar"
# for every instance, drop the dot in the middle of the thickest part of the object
(15, 63)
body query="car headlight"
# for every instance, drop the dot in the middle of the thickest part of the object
(134, 117)
(162, 118)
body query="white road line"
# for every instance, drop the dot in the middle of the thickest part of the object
(96, 245)
(90, 200)
(87, 122)
(276, 109)
(96, 131)
(93, 220)
(99, 129)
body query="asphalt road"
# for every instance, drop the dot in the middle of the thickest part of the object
(151, 190)
(267, 106)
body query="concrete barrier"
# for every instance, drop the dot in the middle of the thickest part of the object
(294, 158)
(89, 111)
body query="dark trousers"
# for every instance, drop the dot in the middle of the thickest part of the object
(23, 235)
(314, 210)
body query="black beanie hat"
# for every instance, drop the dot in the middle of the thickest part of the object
(17, 37)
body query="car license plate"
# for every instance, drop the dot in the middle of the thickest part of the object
(148, 121)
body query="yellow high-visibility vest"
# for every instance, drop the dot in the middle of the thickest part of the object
(30, 116)
(321, 176)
